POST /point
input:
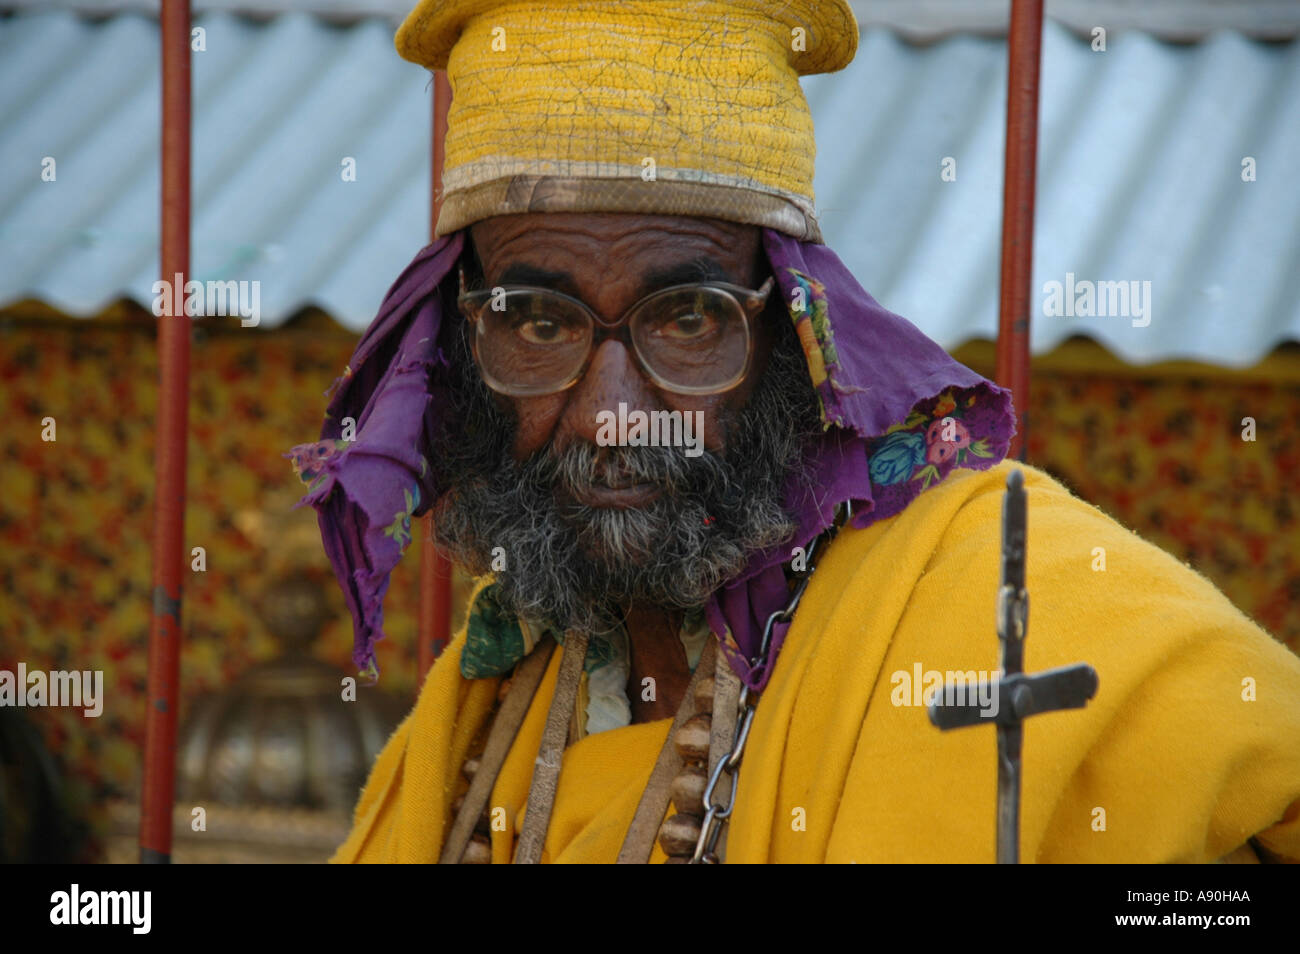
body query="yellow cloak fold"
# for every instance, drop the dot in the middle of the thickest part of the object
(1190, 747)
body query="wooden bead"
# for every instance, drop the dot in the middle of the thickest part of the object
(678, 835)
(692, 739)
(478, 851)
(470, 768)
(687, 790)
(704, 696)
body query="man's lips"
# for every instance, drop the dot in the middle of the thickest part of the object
(623, 497)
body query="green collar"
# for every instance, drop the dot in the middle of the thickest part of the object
(497, 639)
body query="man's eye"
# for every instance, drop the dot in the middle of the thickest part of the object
(542, 331)
(537, 330)
(688, 327)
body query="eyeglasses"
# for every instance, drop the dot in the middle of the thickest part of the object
(688, 339)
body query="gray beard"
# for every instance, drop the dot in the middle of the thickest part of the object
(577, 565)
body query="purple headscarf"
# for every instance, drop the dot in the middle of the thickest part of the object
(899, 415)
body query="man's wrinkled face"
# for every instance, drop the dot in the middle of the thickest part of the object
(571, 528)
(610, 262)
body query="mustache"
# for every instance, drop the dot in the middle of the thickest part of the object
(580, 466)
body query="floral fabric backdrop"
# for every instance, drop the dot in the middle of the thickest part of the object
(76, 518)
(1167, 458)
(1163, 455)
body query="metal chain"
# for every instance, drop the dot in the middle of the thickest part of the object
(717, 812)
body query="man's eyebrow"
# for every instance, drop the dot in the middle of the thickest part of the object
(521, 273)
(702, 269)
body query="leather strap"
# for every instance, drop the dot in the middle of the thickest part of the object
(500, 738)
(546, 774)
(640, 839)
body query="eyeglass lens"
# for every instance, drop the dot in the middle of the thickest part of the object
(693, 339)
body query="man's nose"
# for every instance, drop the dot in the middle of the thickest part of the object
(613, 377)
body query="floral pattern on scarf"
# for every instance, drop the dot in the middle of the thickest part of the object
(929, 443)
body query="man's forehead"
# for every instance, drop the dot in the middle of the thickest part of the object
(554, 249)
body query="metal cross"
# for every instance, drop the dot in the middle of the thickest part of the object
(1017, 694)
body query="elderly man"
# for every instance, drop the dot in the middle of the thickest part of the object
(733, 520)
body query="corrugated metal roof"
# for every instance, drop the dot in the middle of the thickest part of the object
(277, 107)
(1139, 179)
(1139, 175)
(1181, 20)
(917, 19)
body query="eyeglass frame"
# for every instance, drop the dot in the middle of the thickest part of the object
(745, 298)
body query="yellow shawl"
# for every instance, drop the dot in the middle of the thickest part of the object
(1191, 745)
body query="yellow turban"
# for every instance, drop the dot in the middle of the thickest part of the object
(654, 106)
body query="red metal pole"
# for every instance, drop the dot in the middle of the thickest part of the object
(434, 624)
(1024, 50)
(158, 789)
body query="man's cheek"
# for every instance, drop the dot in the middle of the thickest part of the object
(707, 418)
(537, 418)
